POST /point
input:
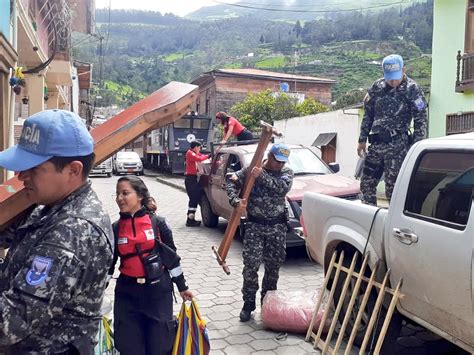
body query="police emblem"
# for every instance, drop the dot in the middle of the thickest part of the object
(419, 103)
(38, 271)
(149, 234)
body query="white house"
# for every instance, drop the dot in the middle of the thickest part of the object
(333, 134)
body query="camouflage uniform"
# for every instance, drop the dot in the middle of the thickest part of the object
(265, 230)
(388, 114)
(54, 277)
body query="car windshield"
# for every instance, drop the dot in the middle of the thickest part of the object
(127, 155)
(302, 161)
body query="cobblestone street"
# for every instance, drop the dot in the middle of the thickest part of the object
(218, 294)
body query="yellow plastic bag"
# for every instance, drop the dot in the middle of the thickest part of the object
(191, 337)
(105, 339)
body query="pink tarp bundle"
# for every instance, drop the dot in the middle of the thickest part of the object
(291, 311)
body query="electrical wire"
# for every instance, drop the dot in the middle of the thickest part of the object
(313, 11)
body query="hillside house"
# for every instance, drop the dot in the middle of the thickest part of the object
(220, 89)
(452, 81)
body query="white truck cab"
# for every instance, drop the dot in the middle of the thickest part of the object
(426, 236)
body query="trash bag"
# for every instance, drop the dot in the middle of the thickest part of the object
(292, 310)
(191, 336)
(105, 337)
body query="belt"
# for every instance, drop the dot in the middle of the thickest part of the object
(267, 221)
(386, 136)
(132, 279)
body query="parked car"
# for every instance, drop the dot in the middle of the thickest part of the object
(127, 163)
(311, 174)
(103, 168)
(425, 237)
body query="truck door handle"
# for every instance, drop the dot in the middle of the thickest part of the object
(405, 236)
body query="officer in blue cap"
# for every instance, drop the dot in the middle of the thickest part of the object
(265, 228)
(55, 275)
(391, 105)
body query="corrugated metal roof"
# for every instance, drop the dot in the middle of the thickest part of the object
(272, 75)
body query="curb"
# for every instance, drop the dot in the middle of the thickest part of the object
(169, 183)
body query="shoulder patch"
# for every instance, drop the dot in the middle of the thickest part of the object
(149, 234)
(39, 270)
(122, 240)
(419, 103)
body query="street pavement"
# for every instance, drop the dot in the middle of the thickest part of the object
(218, 294)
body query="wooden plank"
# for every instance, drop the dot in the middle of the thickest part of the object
(234, 221)
(162, 107)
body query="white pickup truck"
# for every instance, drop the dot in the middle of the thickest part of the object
(426, 236)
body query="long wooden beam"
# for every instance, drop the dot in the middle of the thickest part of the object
(162, 107)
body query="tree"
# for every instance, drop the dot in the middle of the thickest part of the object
(269, 106)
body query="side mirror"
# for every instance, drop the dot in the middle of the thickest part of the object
(334, 167)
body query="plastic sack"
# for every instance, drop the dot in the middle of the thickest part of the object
(191, 336)
(105, 337)
(292, 310)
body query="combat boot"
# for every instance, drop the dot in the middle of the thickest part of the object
(192, 223)
(246, 312)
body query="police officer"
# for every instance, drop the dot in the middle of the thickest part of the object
(193, 189)
(54, 276)
(265, 229)
(391, 104)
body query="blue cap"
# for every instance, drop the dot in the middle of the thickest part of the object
(47, 134)
(280, 151)
(392, 67)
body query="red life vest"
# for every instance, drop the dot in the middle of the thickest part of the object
(191, 159)
(134, 230)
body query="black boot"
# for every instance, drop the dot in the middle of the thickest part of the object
(192, 223)
(246, 311)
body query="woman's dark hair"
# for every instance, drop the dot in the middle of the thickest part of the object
(224, 117)
(140, 188)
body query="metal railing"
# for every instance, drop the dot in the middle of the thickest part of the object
(461, 122)
(465, 72)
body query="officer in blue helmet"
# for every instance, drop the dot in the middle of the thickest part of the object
(391, 105)
(55, 274)
(265, 228)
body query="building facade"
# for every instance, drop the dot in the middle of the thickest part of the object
(220, 89)
(36, 69)
(452, 82)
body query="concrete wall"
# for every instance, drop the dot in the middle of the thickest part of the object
(448, 37)
(304, 130)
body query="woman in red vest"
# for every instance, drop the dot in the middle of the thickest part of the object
(232, 127)
(143, 307)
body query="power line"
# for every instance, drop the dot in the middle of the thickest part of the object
(312, 11)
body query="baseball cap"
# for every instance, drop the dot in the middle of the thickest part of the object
(392, 67)
(47, 134)
(280, 151)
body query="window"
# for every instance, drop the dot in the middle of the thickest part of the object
(469, 42)
(234, 164)
(219, 165)
(201, 123)
(182, 123)
(441, 188)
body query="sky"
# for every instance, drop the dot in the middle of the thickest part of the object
(177, 7)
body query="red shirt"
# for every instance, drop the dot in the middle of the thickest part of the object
(134, 230)
(238, 127)
(191, 159)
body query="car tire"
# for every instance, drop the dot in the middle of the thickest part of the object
(109, 174)
(395, 323)
(209, 218)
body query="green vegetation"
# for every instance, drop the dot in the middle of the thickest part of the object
(269, 107)
(271, 63)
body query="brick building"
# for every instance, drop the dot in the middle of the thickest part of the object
(219, 89)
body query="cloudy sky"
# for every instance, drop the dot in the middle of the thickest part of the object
(177, 7)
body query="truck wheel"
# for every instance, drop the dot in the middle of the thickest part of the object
(395, 323)
(209, 219)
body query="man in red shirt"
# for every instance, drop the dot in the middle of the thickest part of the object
(193, 189)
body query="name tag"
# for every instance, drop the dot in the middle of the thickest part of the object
(122, 241)
(149, 234)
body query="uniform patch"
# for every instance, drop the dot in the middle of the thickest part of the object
(122, 240)
(419, 103)
(149, 234)
(39, 270)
